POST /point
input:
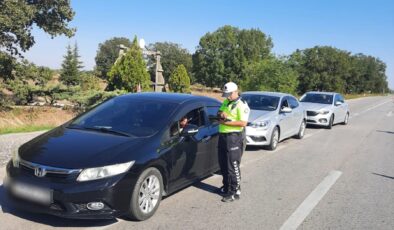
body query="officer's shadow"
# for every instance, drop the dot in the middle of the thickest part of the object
(206, 187)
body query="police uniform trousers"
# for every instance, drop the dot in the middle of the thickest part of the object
(230, 152)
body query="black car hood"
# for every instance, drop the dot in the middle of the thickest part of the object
(78, 149)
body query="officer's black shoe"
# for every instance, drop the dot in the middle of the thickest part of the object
(228, 198)
(237, 196)
(222, 190)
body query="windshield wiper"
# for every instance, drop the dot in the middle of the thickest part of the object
(104, 129)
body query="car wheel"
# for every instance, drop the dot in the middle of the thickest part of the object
(146, 195)
(346, 121)
(301, 132)
(331, 122)
(274, 139)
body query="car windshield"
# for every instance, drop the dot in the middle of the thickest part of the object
(123, 116)
(317, 98)
(261, 102)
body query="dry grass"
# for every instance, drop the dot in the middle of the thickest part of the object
(28, 118)
(354, 96)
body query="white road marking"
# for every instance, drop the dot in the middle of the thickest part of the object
(311, 201)
(389, 114)
(373, 107)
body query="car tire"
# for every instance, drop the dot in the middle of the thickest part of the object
(146, 195)
(274, 139)
(331, 122)
(301, 131)
(346, 121)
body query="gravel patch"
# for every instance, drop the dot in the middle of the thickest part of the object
(9, 142)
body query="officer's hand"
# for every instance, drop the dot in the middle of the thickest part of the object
(223, 115)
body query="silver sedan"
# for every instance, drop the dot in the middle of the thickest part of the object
(273, 117)
(325, 108)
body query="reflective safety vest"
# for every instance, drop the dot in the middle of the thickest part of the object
(237, 110)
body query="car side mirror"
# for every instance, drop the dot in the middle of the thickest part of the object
(337, 103)
(286, 110)
(189, 130)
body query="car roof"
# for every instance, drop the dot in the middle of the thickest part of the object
(178, 98)
(275, 94)
(322, 92)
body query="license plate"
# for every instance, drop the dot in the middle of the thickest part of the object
(32, 193)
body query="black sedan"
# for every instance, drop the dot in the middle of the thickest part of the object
(117, 159)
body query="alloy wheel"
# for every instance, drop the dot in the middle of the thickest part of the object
(149, 194)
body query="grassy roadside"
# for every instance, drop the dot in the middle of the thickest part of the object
(354, 96)
(25, 129)
(26, 119)
(29, 119)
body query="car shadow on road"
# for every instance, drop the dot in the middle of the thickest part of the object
(253, 148)
(381, 131)
(310, 126)
(8, 208)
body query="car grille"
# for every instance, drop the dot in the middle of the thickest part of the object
(50, 172)
(258, 138)
(311, 113)
(311, 121)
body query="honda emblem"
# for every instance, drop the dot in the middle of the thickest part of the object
(40, 172)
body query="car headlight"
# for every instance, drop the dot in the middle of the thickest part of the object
(103, 172)
(260, 124)
(324, 112)
(15, 158)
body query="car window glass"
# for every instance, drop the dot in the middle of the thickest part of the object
(317, 98)
(341, 98)
(284, 103)
(212, 113)
(137, 118)
(336, 98)
(261, 102)
(293, 102)
(194, 117)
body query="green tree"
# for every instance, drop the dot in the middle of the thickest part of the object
(7, 65)
(321, 68)
(368, 74)
(18, 17)
(172, 55)
(71, 66)
(107, 54)
(271, 75)
(224, 54)
(179, 80)
(129, 71)
(26, 81)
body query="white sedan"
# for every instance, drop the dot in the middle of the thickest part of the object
(273, 117)
(325, 108)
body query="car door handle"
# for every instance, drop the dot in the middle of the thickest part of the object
(206, 139)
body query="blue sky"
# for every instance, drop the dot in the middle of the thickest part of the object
(358, 26)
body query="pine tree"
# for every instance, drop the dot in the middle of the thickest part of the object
(130, 71)
(179, 80)
(70, 74)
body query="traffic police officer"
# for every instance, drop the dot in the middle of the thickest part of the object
(233, 117)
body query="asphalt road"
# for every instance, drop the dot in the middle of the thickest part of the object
(332, 179)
